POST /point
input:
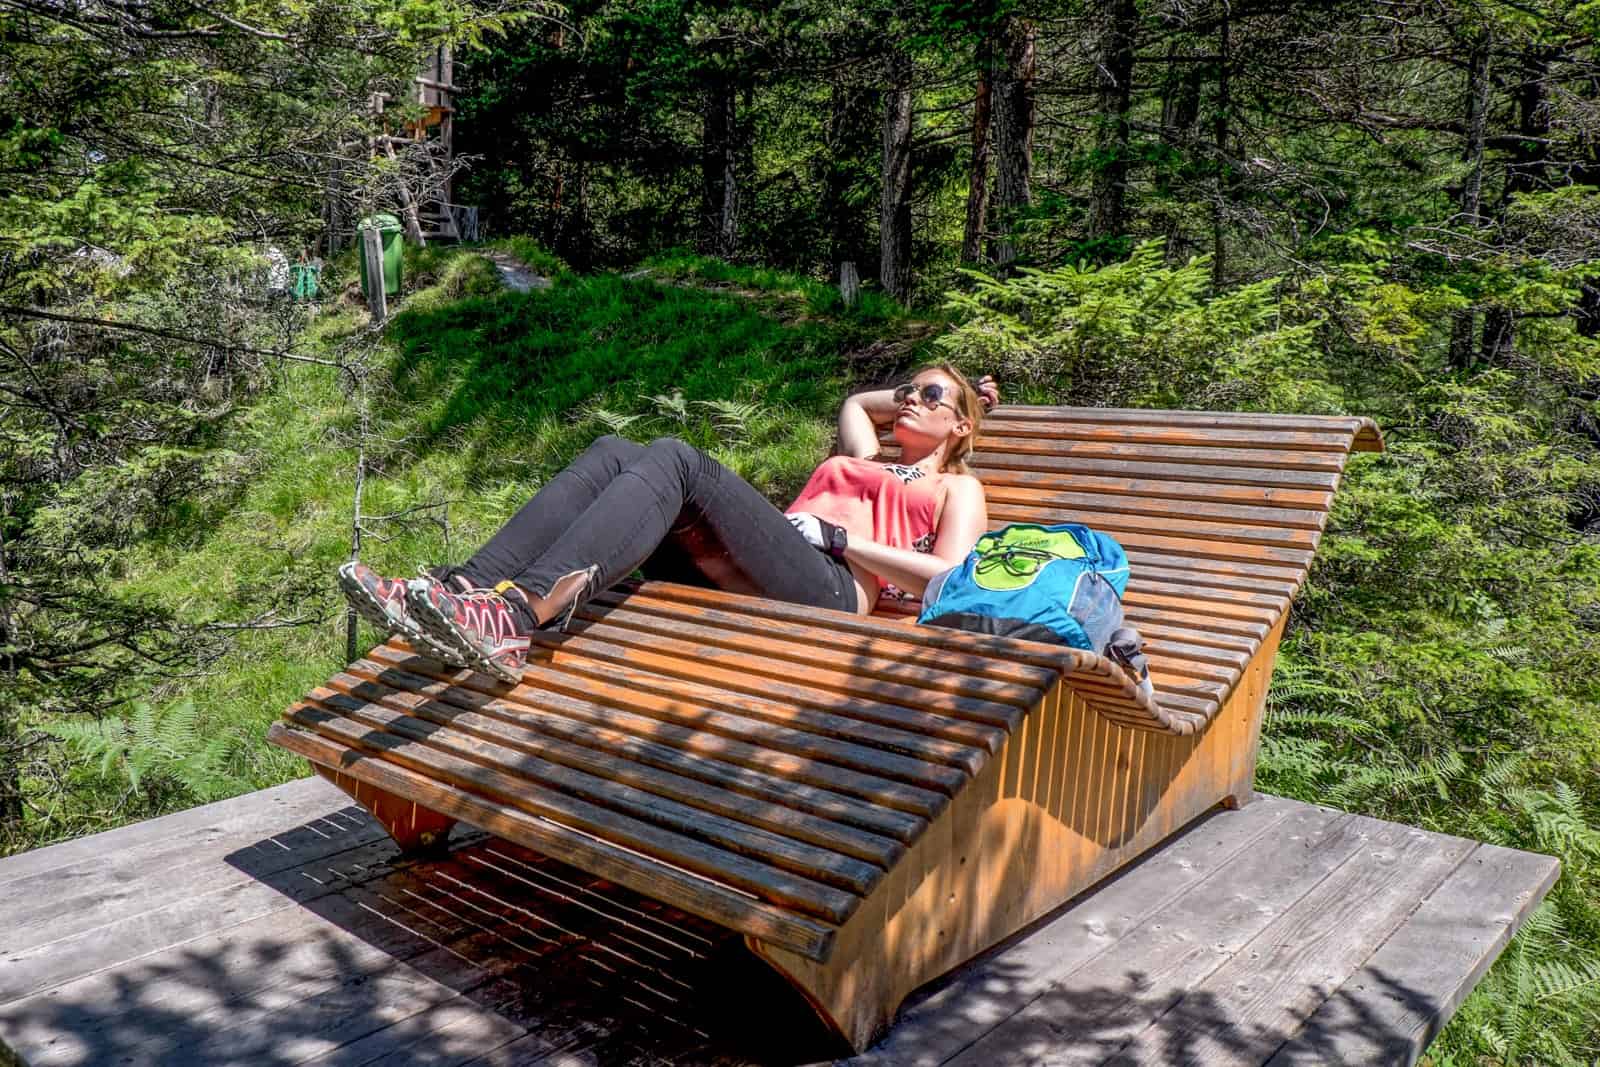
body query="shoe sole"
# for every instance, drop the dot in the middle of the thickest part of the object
(441, 629)
(368, 607)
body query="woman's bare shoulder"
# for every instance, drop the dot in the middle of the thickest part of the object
(964, 483)
(963, 490)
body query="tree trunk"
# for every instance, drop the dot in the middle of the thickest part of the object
(719, 168)
(1525, 172)
(1464, 327)
(978, 178)
(1588, 311)
(1530, 152)
(851, 134)
(1180, 112)
(1223, 193)
(1114, 77)
(894, 206)
(849, 283)
(10, 735)
(1013, 135)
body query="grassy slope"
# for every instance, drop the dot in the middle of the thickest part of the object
(478, 396)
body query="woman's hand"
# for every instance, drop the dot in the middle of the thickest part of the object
(988, 392)
(817, 531)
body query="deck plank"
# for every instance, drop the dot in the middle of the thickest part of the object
(1243, 1010)
(1115, 996)
(297, 935)
(941, 1021)
(1390, 1009)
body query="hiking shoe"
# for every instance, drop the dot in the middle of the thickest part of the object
(382, 602)
(478, 625)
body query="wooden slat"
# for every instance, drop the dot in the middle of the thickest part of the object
(708, 898)
(1231, 660)
(1198, 620)
(813, 635)
(589, 667)
(1068, 480)
(601, 706)
(1232, 541)
(1174, 565)
(1200, 692)
(1191, 667)
(784, 656)
(936, 736)
(443, 770)
(1207, 596)
(1034, 653)
(1165, 416)
(986, 459)
(1196, 635)
(1222, 609)
(1162, 433)
(607, 792)
(1251, 459)
(842, 691)
(604, 733)
(1072, 498)
(1208, 584)
(790, 820)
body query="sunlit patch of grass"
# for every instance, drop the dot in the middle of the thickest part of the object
(477, 397)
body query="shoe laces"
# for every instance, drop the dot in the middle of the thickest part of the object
(585, 591)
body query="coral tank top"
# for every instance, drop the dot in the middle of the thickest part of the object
(884, 502)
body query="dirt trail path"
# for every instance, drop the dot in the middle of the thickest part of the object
(514, 273)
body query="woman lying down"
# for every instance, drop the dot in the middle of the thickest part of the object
(862, 530)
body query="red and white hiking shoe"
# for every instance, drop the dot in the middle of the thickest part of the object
(382, 602)
(477, 625)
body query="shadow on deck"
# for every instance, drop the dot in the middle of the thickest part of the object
(281, 928)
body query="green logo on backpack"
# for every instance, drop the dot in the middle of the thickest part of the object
(1014, 558)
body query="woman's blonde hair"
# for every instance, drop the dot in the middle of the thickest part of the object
(969, 406)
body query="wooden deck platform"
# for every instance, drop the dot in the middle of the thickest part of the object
(280, 928)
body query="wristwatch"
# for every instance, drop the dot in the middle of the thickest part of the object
(838, 540)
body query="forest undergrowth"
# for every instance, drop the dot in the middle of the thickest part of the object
(1438, 668)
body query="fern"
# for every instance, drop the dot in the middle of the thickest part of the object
(731, 417)
(153, 749)
(671, 406)
(1294, 681)
(1539, 981)
(614, 422)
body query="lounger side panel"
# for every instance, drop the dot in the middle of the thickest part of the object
(1072, 797)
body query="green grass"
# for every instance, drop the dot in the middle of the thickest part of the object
(476, 396)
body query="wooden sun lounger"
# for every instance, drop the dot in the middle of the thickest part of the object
(868, 801)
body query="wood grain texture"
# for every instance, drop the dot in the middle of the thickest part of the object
(494, 954)
(870, 802)
(711, 899)
(1397, 1002)
(1070, 799)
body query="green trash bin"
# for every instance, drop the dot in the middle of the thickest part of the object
(303, 281)
(389, 236)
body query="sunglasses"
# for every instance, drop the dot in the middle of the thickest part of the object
(932, 394)
(1021, 562)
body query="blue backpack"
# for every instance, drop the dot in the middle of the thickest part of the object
(1060, 583)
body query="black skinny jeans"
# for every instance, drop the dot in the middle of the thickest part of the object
(666, 508)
